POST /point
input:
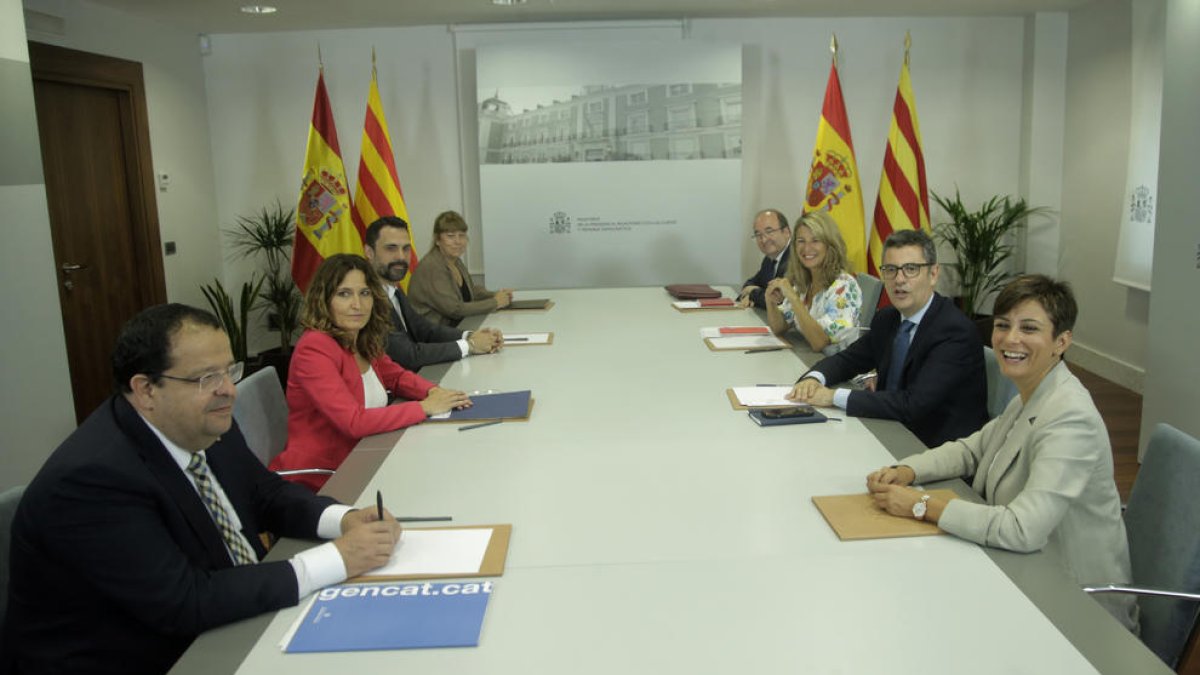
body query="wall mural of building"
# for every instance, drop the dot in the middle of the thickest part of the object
(605, 123)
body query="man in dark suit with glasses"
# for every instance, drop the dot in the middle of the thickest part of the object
(927, 354)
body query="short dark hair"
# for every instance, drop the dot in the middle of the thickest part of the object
(783, 221)
(901, 238)
(1054, 296)
(373, 230)
(144, 345)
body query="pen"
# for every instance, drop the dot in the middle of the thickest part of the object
(423, 519)
(379, 504)
(481, 424)
(760, 350)
(516, 339)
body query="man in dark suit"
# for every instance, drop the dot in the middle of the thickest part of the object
(774, 239)
(142, 529)
(927, 354)
(416, 341)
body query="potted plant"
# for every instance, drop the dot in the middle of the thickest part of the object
(982, 241)
(268, 234)
(234, 320)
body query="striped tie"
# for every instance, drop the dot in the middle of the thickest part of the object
(238, 548)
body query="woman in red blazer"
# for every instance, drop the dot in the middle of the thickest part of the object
(339, 378)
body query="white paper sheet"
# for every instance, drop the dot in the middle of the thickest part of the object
(759, 397)
(437, 552)
(746, 342)
(526, 338)
(715, 331)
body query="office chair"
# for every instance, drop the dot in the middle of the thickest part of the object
(1162, 520)
(261, 412)
(1000, 389)
(872, 289)
(8, 508)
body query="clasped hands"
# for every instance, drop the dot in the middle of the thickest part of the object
(367, 542)
(889, 487)
(485, 341)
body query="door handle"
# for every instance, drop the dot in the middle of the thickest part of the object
(72, 267)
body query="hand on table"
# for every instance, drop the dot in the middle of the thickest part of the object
(812, 392)
(485, 341)
(440, 400)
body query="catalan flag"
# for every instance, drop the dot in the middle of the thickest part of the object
(378, 191)
(903, 201)
(323, 223)
(833, 182)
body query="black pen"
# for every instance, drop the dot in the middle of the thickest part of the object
(516, 339)
(481, 424)
(379, 503)
(760, 350)
(423, 519)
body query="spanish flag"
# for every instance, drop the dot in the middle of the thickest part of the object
(833, 182)
(323, 223)
(903, 201)
(378, 191)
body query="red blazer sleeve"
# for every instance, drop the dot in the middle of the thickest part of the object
(399, 381)
(330, 383)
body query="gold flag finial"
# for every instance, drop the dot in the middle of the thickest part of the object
(907, 45)
(833, 47)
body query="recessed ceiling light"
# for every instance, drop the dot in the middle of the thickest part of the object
(258, 9)
(508, 3)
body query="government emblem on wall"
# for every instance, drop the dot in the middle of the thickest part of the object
(560, 223)
(1141, 205)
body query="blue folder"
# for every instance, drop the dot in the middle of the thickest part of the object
(361, 617)
(506, 405)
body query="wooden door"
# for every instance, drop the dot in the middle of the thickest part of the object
(99, 187)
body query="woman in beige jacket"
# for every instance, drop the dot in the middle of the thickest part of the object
(1043, 468)
(441, 289)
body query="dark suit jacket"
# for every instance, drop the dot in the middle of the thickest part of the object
(417, 341)
(764, 277)
(943, 386)
(117, 564)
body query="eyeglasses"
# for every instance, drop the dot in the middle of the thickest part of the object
(766, 233)
(910, 270)
(209, 382)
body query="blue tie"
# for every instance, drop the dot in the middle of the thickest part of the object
(899, 352)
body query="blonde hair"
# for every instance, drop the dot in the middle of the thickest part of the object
(825, 229)
(315, 313)
(447, 221)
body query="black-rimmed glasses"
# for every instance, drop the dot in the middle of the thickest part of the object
(766, 233)
(910, 270)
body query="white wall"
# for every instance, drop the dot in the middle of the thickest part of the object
(1173, 366)
(179, 129)
(38, 409)
(1110, 336)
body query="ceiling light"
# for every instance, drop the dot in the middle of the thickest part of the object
(258, 9)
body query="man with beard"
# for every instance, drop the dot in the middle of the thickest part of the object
(416, 341)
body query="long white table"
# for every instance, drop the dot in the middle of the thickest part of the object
(657, 530)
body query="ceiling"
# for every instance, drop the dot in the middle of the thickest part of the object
(223, 16)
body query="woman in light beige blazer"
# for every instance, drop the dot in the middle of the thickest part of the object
(441, 289)
(1043, 468)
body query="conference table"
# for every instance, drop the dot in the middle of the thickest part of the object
(658, 530)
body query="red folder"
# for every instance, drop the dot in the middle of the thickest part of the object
(716, 302)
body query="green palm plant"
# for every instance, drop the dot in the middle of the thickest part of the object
(233, 319)
(982, 240)
(269, 233)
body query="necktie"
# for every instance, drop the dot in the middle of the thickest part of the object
(238, 548)
(899, 352)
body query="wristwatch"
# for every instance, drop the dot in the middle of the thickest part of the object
(921, 507)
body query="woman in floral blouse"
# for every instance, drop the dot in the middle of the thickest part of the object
(818, 295)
